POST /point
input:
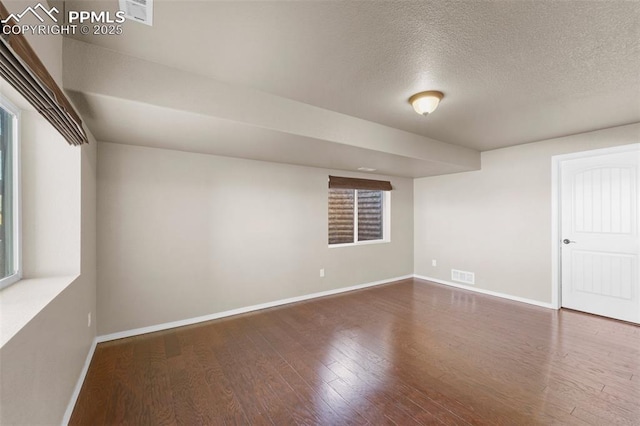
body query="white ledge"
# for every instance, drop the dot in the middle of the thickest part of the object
(22, 301)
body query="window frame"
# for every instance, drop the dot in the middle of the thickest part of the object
(17, 194)
(386, 223)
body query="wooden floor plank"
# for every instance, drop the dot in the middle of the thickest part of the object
(407, 353)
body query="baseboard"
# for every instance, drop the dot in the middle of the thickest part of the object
(190, 321)
(487, 292)
(76, 390)
(195, 320)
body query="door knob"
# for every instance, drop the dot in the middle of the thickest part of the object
(567, 241)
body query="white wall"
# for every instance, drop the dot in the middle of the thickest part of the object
(496, 222)
(183, 235)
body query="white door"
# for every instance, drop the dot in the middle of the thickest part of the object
(599, 235)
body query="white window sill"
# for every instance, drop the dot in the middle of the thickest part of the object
(22, 301)
(359, 243)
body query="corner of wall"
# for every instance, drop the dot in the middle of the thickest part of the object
(42, 363)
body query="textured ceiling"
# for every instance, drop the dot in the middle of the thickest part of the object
(512, 71)
(198, 114)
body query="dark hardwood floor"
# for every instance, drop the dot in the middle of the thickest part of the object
(405, 353)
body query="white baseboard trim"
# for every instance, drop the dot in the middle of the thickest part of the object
(487, 292)
(195, 320)
(76, 390)
(190, 321)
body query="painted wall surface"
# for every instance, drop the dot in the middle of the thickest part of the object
(41, 363)
(496, 222)
(183, 235)
(50, 208)
(39, 366)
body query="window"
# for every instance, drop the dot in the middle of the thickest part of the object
(21, 68)
(357, 215)
(9, 196)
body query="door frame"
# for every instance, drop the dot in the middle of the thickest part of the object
(556, 193)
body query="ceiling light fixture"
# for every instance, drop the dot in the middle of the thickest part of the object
(426, 102)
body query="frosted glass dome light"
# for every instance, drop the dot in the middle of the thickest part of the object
(425, 103)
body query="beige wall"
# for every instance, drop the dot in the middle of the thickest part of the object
(496, 222)
(41, 362)
(50, 207)
(40, 366)
(183, 235)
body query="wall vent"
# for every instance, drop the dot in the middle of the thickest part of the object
(463, 276)
(138, 10)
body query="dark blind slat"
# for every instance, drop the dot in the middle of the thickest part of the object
(341, 221)
(337, 182)
(21, 67)
(370, 225)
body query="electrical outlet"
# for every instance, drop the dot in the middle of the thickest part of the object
(89, 320)
(434, 262)
(322, 273)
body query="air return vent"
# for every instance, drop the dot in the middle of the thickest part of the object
(463, 277)
(138, 10)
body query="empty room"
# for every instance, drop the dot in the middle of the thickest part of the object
(319, 212)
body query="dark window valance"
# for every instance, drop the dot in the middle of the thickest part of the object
(21, 67)
(353, 183)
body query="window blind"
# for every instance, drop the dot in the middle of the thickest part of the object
(341, 219)
(336, 182)
(370, 215)
(21, 67)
